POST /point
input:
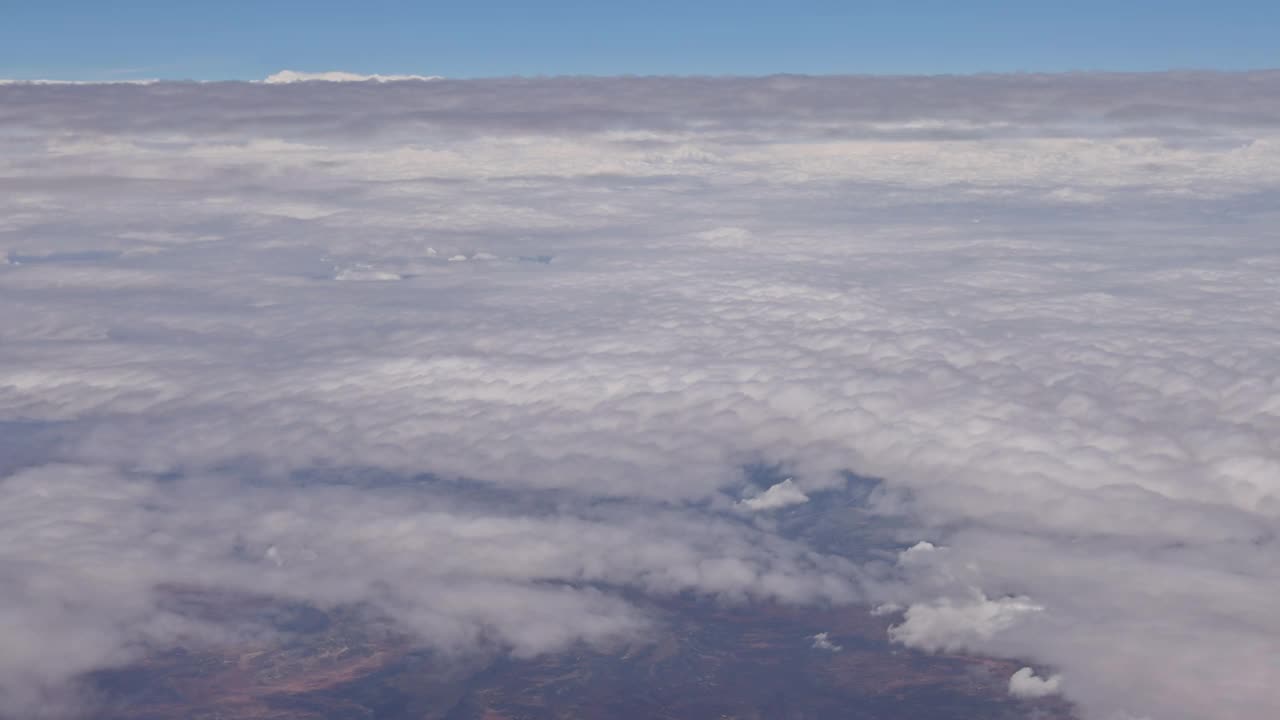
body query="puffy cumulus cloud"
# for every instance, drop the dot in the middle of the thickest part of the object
(948, 624)
(1025, 683)
(776, 496)
(1041, 308)
(822, 641)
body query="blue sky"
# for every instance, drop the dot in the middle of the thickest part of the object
(234, 39)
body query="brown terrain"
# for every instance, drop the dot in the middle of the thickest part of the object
(706, 661)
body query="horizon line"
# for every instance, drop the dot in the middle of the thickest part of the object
(290, 77)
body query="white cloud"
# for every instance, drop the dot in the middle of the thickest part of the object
(822, 641)
(85, 549)
(1025, 683)
(365, 273)
(779, 495)
(950, 624)
(886, 609)
(1040, 308)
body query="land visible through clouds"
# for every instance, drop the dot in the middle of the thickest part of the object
(707, 661)
(520, 397)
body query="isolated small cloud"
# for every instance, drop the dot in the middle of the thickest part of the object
(1026, 684)
(958, 624)
(885, 609)
(822, 642)
(366, 274)
(778, 496)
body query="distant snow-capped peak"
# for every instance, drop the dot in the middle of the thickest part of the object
(295, 76)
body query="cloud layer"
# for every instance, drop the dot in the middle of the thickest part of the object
(280, 338)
